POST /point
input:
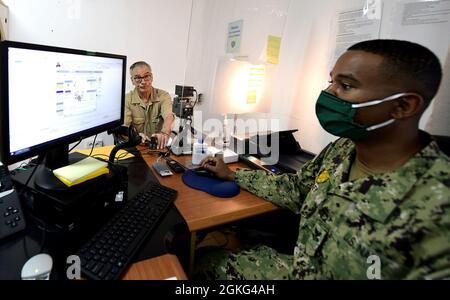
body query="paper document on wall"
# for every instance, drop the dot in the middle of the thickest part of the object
(234, 36)
(81, 171)
(357, 25)
(425, 22)
(256, 76)
(273, 49)
(424, 12)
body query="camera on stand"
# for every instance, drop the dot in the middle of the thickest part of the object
(184, 101)
(183, 107)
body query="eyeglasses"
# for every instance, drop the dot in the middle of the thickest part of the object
(139, 79)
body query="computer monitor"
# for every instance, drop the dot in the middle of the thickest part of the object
(51, 97)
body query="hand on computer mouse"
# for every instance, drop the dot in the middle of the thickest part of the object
(218, 167)
(204, 172)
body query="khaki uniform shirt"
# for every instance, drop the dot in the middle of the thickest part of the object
(399, 218)
(147, 120)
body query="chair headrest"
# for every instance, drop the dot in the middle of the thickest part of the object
(443, 143)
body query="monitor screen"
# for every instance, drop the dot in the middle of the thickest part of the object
(54, 96)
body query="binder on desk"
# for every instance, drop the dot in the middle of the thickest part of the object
(81, 171)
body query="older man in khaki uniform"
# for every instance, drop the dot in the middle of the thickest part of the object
(149, 109)
(375, 204)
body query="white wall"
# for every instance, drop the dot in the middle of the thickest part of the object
(152, 30)
(305, 55)
(439, 123)
(161, 31)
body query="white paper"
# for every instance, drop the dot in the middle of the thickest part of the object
(357, 25)
(424, 22)
(232, 85)
(425, 12)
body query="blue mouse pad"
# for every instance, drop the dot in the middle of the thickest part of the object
(214, 186)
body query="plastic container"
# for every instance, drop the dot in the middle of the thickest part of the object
(199, 152)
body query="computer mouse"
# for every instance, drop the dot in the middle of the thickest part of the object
(153, 143)
(204, 172)
(37, 267)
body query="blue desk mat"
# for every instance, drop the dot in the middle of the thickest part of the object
(213, 186)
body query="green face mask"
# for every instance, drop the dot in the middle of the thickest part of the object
(337, 116)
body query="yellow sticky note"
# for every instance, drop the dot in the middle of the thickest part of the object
(273, 49)
(81, 171)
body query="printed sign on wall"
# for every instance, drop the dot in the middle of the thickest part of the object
(234, 36)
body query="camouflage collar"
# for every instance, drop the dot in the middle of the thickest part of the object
(378, 196)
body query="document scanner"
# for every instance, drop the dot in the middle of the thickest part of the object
(256, 149)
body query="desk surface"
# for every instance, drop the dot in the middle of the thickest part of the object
(60, 243)
(201, 210)
(158, 268)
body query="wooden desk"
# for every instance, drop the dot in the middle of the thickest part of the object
(158, 268)
(202, 210)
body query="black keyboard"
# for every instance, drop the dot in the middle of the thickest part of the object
(110, 251)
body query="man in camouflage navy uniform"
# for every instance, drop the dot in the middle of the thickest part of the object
(373, 204)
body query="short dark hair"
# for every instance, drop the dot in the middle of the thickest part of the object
(409, 62)
(140, 64)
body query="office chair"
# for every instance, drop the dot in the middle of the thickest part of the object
(443, 143)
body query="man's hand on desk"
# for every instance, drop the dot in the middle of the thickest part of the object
(162, 139)
(144, 137)
(218, 167)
